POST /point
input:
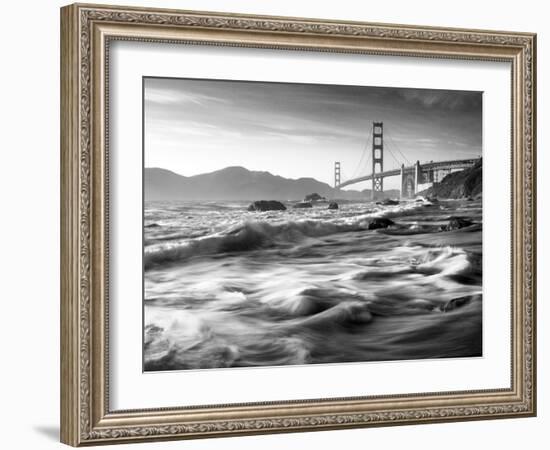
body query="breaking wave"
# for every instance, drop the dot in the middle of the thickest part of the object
(253, 235)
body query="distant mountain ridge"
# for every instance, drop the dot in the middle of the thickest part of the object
(239, 183)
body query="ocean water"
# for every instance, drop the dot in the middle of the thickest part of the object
(225, 287)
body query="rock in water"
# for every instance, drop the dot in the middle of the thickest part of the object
(333, 205)
(380, 222)
(388, 202)
(267, 205)
(456, 223)
(303, 205)
(315, 197)
(458, 302)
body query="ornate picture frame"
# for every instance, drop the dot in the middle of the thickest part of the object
(86, 34)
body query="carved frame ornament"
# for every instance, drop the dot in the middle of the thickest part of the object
(86, 31)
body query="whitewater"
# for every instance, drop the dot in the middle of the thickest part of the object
(224, 287)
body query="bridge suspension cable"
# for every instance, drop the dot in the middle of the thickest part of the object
(344, 177)
(360, 169)
(396, 147)
(364, 152)
(393, 156)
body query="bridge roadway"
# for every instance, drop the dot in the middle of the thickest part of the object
(425, 167)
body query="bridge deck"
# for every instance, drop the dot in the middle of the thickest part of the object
(452, 164)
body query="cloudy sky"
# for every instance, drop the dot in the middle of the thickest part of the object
(299, 130)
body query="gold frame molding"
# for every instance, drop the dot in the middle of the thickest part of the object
(86, 31)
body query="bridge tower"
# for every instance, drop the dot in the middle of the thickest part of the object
(377, 157)
(337, 178)
(411, 177)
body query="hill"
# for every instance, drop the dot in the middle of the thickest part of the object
(463, 184)
(238, 183)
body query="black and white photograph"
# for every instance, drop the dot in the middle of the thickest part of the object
(294, 224)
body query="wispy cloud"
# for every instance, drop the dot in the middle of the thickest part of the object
(165, 97)
(297, 130)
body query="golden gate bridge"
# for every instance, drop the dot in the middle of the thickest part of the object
(412, 174)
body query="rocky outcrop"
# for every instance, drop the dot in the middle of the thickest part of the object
(456, 223)
(267, 205)
(315, 197)
(303, 205)
(467, 184)
(380, 222)
(333, 205)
